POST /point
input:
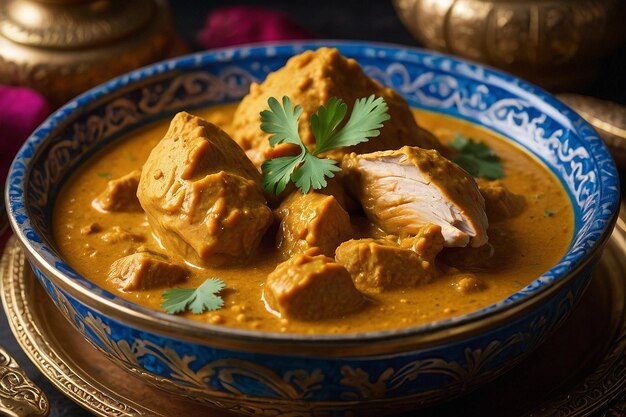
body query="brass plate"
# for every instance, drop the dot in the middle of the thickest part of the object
(580, 370)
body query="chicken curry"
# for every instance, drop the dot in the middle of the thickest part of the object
(400, 236)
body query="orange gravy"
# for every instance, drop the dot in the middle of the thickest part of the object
(525, 246)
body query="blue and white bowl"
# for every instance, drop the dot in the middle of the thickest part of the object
(286, 374)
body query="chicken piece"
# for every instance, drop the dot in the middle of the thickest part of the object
(202, 195)
(311, 288)
(311, 79)
(427, 243)
(403, 190)
(500, 202)
(311, 220)
(380, 264)
(146, 270)
(120, 194)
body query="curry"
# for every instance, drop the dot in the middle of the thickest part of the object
(401, 236)
(525, 245)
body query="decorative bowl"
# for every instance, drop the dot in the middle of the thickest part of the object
(60, 48)
(558, 44)
(286, 374)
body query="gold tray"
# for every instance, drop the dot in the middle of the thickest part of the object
(580, 370)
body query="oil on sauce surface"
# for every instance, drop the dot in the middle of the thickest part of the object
(525, 246)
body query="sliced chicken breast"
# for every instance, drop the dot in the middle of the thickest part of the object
(405, 189)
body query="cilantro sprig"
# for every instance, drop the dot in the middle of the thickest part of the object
(307, 170)
(476, 158)
(196, 300)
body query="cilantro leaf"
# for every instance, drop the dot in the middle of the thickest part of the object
(325, 122)
(477, 158)
(281, 122)
(312, 172)
(307, 170)
(177, 300)
(277, 172)
(366, 119)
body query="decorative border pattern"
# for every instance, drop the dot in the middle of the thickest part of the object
(18, 395)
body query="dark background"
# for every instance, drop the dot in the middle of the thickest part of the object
(373, 20)
(325, 19)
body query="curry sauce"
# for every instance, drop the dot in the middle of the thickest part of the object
(525, 246)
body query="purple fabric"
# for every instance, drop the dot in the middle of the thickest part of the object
(21, 111)
(245, 24)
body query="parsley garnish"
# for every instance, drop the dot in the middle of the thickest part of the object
(307, 170)
(177, 300)
(476, 158)
(105, 175)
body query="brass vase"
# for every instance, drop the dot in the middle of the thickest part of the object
(63, 47)
(559, 44)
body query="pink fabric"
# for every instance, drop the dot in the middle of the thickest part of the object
(21, 111)
(245, 24)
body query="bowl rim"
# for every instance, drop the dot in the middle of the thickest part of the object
(129, 312)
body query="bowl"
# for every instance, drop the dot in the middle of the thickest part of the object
(288, 374)
(559, 44)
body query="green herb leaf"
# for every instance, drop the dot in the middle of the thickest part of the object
(476, 158)
(324, 123)
(313, 171)
(368, 115)
(105, 175)
(307, 170)
(277, 172)
(177, 300)
(281, 122)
